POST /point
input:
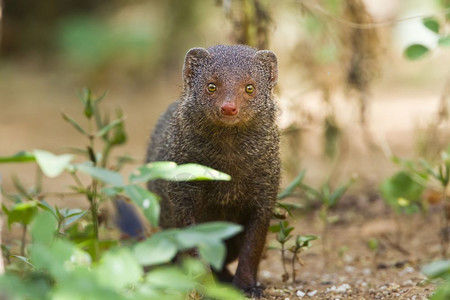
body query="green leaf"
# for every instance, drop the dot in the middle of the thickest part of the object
(21, 156)
(158, 249)
(146, 201)
(432, 24)
(221, 291)
(304, 240)
(416, 51)
(72, 215)
(43, 228)
(105, 129)
(119, 268)
(22, 213)
(291, 187)
(213, 252)
(339, 192)
(373, 244)
(50, 164)
(400, 185)
(437, 269)
(216, 230)
(74, 124)
(57, 258)
(443, 41)
(170, 278)
(173, 172)
(105, 175)
(24, 259)
(20, 188)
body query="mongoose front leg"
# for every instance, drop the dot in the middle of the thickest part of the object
(250, 254)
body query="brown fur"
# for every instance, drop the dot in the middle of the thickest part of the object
(245, 146)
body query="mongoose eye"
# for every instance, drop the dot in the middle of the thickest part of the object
(249, 89)
(212, 87)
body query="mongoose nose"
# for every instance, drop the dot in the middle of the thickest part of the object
(229, 109)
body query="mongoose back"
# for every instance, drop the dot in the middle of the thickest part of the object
(226, 120)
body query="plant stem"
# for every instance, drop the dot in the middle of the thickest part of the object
(283, 259)
(398, 233)
(325, 235)
(105, 154)
(23, 241)
(92, 195)
(293, 264)
(444, 237)
(77, 180)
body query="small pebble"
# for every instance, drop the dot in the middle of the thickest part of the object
(406, 271)
(300, 294)
(349, 269)
(312, 293)
(331, 289)
(367, 271)
(343, 288)
(408, 282)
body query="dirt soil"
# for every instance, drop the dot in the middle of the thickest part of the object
(353, 270)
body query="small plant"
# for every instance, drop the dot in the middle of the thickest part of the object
(69, 257)
(301, 242)
(283, 231)
(403, 191)
(441, 174)
(283, 228)
(404, 195)
(328, 199)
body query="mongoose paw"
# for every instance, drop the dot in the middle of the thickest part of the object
(254, 292)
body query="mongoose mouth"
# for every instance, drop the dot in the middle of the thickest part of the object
(229, 120)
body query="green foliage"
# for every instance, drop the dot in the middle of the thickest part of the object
(444, 41)
(282, 209)
(68, 259)
(432, 24)
(21, 213)
(173, 172)
(21, 156)
(439, 270)
(402, 193)
(373, 244)
(304, 241)
(435, 25)
(416, 51)
(292, 186)
(283, 231)
(91, 42)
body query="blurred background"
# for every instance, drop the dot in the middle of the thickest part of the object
(349, 96)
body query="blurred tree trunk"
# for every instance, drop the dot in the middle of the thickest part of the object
(362, 56)
(251, 21)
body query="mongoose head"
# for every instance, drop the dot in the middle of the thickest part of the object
(230, 85)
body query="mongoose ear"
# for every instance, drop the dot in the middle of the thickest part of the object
(270, 64)
(193, 59)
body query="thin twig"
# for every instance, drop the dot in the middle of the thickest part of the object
(395, 246)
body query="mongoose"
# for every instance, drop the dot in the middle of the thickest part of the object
(226, 120)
